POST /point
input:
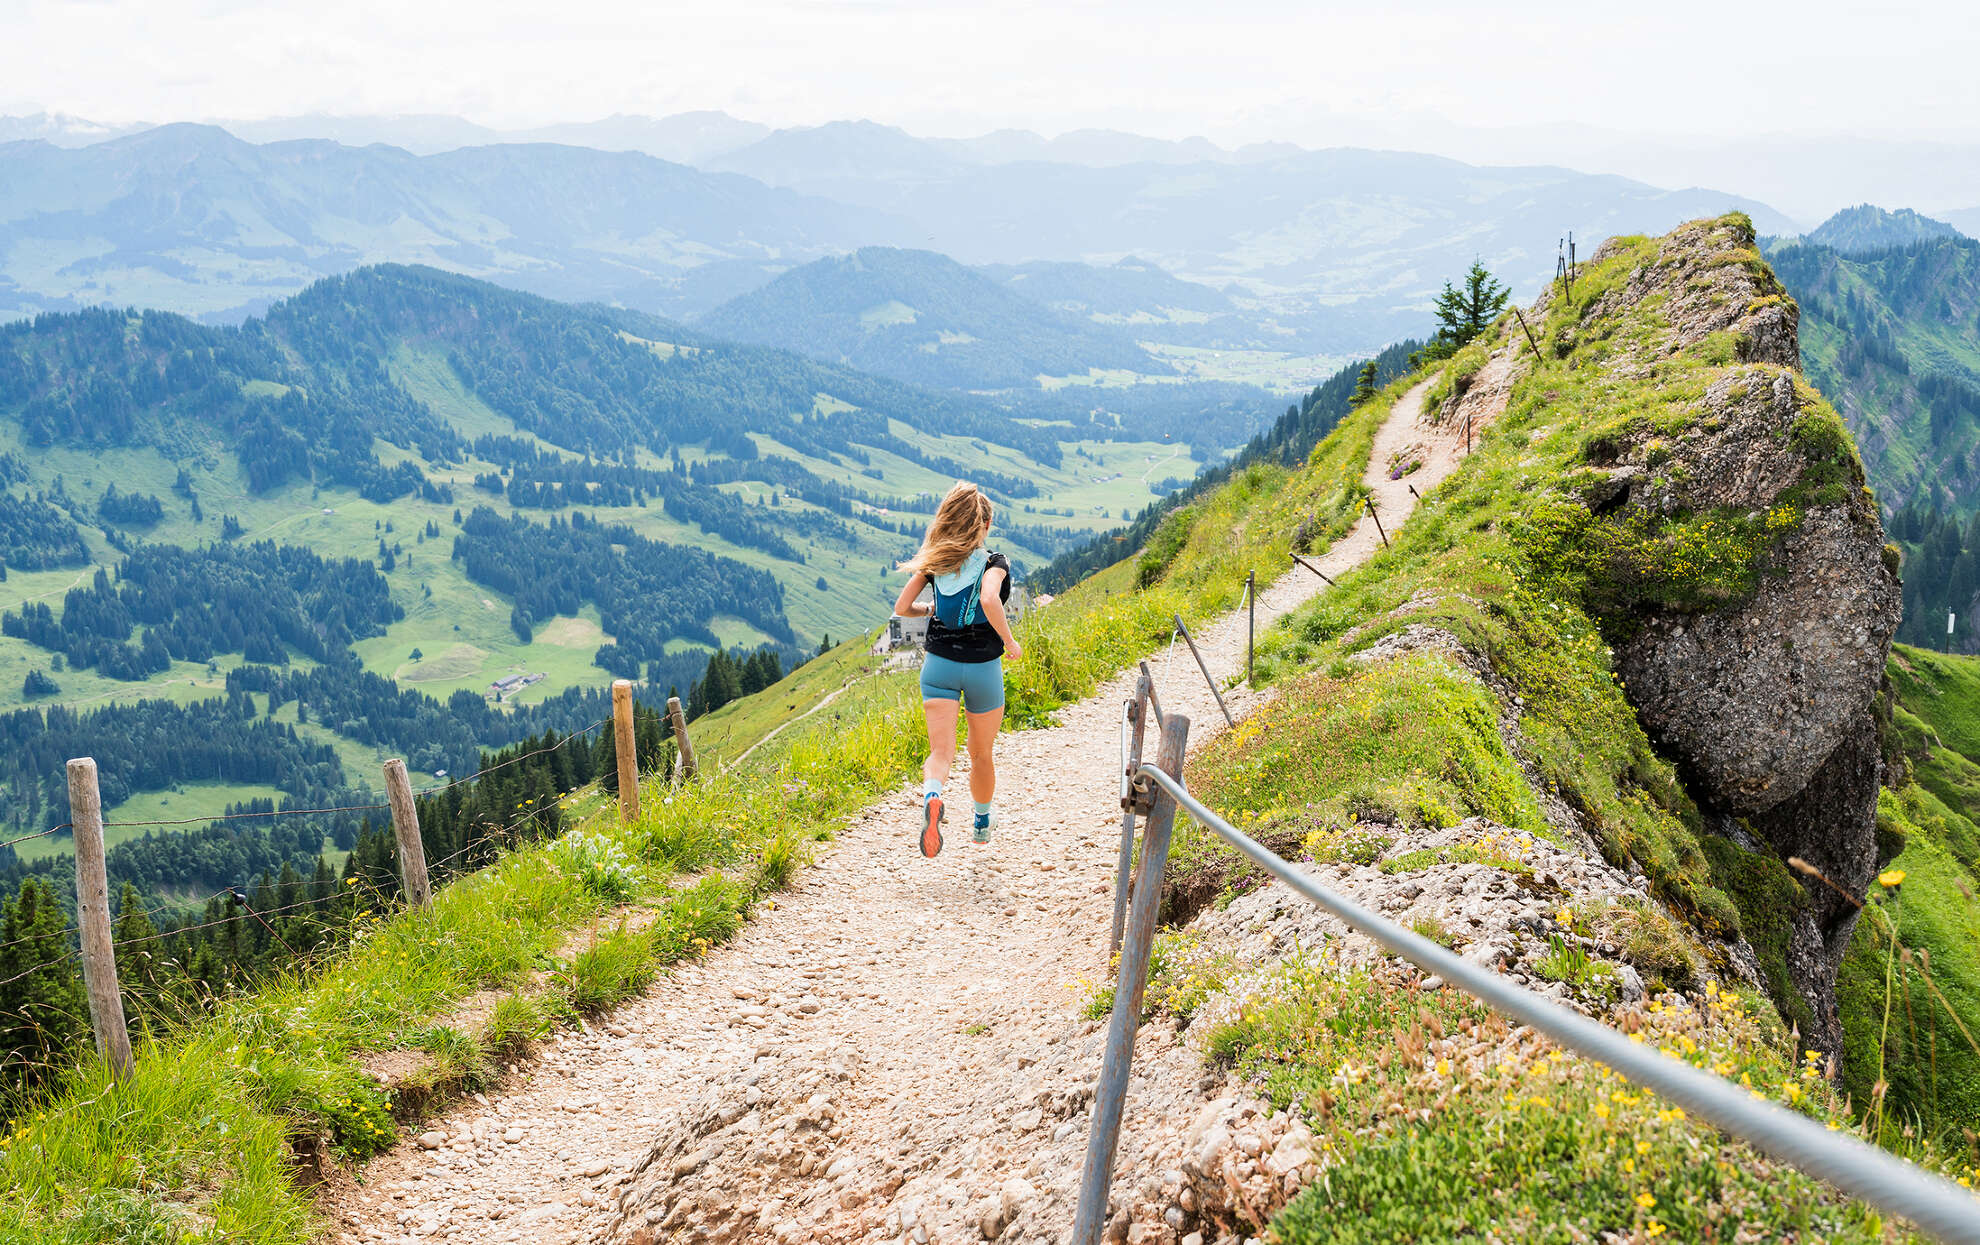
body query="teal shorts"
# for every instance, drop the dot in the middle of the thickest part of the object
(980, 684)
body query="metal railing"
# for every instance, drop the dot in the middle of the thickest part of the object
(1936, 1206)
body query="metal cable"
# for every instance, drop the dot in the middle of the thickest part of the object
(1936, 1205)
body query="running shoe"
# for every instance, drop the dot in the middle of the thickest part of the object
(931, 832)
(983, 823)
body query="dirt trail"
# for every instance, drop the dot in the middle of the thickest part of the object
(893, 1053)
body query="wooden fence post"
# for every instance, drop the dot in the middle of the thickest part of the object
(106, 1005)
(1370, 501)
(623, 746)
(1529, 335)
(405, 828)
(1251, 629)
(679, 719)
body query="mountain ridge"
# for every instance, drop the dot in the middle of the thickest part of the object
(1335, 249)
(1867, 227)
(145, 218)
(920, 317)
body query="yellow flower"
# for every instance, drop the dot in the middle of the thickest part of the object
(1654, 1228)
(1646, 1201)
(1891, 878)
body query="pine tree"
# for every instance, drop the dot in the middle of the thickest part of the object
(44, 1013)
(1462, 314)
(1364, 384)
(138, 955)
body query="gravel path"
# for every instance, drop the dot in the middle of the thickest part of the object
(895, 1052)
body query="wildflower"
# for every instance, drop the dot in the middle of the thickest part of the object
(1891, 878)
(1646, 1201)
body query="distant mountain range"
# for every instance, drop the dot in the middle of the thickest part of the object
(193, 219)
(1324, 252)
(924, 318)
(1326, 223)
(1868, 227)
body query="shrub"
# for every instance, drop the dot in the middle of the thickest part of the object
(1651, 942)
(599, 864)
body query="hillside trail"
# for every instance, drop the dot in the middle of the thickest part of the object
(895, 1051)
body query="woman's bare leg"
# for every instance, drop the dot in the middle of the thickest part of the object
(941, 715)
(982, 763)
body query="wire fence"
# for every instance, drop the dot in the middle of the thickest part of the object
(501, 835)
(264, 814)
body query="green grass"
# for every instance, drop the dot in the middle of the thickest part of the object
(724, 735)
(1410, 742)
(1251, 523)
(1942, 690)
(1438, 1121)
(1930, 1066)
(201, 1131)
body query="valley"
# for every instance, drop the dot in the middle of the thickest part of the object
(741, 1015)
(1891, 325)
(461, 479)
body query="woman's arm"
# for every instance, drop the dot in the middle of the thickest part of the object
(904, 605)
(993, 611)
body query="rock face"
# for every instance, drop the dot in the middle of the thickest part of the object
(1767, 704)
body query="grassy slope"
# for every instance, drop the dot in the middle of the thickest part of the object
(1931, 1067)
(721, 737)
(1195, 566)
(1498, 558)
(197, 1143)
(461, 628)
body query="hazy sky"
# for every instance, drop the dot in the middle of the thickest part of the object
(1236, 70)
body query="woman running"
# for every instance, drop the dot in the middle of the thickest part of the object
(968, 635)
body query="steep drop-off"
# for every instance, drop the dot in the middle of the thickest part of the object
(1763, 696)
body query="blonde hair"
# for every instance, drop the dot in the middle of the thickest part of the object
(961, 523)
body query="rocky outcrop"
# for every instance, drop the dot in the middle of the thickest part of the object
(1767, 702)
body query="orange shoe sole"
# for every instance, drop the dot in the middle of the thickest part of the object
(931, 831)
